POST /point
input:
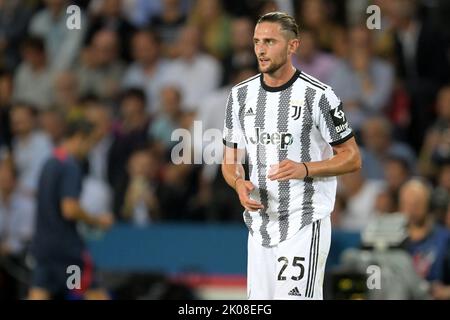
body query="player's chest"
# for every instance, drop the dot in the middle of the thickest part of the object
(273, 113)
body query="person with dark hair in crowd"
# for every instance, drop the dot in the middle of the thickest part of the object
(33, 79)
(132, 134)
(421, 53)
(148, 68)
(17, 216)
(56, 243)
(168, 24)
(141, 203)
(6, 88)
(110, 17)
(30, 146)
(428, 243)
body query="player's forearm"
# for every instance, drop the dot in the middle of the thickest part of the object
(232, 172)
(344, 162)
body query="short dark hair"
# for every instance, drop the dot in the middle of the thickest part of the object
(31, 109)
(78, 127)
(286, 21)
(134, 92)
(34, 42)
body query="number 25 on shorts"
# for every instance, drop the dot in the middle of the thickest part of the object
(296, 262)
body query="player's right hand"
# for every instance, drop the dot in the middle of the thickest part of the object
(243, 189)
(105, 221)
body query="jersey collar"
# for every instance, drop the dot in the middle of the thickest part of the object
(283, 86)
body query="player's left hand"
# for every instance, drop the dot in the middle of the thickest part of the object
(286, 170)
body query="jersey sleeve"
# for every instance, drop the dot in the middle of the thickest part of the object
(71, 182)
(233, 136)
(331, 119)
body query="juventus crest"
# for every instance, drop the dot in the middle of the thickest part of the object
(297, 112)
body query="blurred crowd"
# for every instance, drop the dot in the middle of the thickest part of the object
(137, 70)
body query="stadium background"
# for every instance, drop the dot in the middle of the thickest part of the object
(139, 69)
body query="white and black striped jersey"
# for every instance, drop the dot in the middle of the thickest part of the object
(299, 120)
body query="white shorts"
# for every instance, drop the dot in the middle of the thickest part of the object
(292, 270)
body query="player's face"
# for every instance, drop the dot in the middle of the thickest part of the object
(272, 47)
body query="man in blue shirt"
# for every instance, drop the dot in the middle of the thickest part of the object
(428, 243)
(56, 244)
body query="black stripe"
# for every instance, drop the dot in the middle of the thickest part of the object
(316, 258)
(284, 195)
(229, 112)
(261, 167)
(325, 108)
(305, 156)
(313, 233)
(312, 83)
(347, 137)
(230, 144)
(313, 80)
(248, 80)
(242, 97)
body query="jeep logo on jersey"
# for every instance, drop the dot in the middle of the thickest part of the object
(339, 119)
(281, 139)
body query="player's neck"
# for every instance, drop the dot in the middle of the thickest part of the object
(279, 77)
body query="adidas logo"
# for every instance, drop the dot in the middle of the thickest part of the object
(250, 112)
(294, 292)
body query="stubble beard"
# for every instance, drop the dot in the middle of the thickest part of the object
(272, 68)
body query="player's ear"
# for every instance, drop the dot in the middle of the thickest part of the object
(293, 45)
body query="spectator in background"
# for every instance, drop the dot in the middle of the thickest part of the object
(168, 24)
(422, 63)
(428, 243)
(31, 147)
(33, 79)
(440, 197)
(312, 60)
(436, 147)
(56, 243)
(363, 82)
(339, 211)
(315, 16)
(359, 195)
(6, 90)
(101, 71)
(396, 173)
(62, 44)
(148, 68)
(241, 55)
(209, 16)
(53, 123)
(140, 12)
(193, 64)
(17, 214)
(378, 144)
(99, 115)
(14, 18)
(67, 94)
(109, 16)
(131, 135)
(167, 120)
(141, 204)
